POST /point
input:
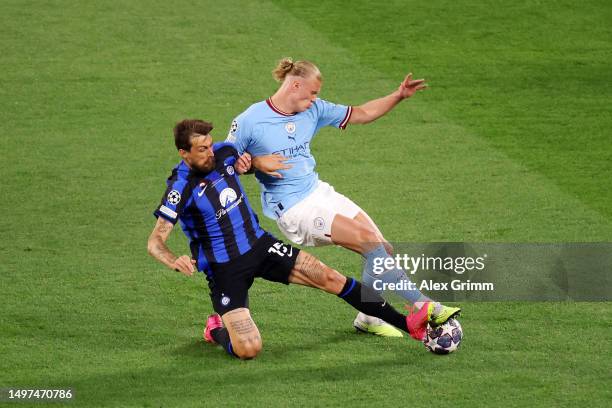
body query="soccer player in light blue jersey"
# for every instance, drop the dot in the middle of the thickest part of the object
(277, 132)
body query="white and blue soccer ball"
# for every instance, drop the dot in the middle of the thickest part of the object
(444, 339)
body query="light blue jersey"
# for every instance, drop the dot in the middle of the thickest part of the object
(263, 129)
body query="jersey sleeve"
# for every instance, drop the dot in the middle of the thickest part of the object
(226, 152)
(173, 201)
(331, 114)
(239, 134)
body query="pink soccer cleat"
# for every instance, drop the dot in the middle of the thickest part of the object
(213, 322)
(417, 322)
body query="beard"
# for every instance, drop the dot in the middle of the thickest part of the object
(206, 167)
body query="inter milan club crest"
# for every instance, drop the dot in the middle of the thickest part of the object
(290, 127)
(230, 170)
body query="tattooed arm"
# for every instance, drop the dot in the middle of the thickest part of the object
(156, 246)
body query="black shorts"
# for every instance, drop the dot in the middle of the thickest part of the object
(229, 282)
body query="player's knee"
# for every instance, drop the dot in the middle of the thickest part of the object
(246, 353)
(248, 350)
(367, 236)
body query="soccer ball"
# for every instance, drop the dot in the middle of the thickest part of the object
(445, 338)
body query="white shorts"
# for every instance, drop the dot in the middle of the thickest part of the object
(309, 221)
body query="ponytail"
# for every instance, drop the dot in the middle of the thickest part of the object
(302, 69)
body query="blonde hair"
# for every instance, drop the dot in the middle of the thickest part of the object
(302, 69)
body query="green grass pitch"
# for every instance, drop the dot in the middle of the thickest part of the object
(511, 143)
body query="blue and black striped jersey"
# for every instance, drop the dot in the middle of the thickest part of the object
(212, 208)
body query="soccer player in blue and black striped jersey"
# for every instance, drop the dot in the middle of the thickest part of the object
(204, 194)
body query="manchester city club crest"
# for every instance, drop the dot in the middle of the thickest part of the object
(319, 223)
(290, 127)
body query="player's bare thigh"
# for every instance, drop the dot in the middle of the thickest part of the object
(244, 334)
(358, 234)
(309, 271)
(366, 220)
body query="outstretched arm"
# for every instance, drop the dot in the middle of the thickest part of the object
(156, 246)
(374, 109)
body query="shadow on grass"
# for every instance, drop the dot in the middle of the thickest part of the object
(280, 349)
(196, 368)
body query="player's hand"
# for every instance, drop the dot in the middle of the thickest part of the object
(409, 86)
(243, 164)
(185, 265)
(270, 164)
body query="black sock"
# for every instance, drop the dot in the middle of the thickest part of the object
(366, 300)
(221, 336)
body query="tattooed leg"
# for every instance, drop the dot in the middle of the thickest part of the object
(309, 271)
(244, 334)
